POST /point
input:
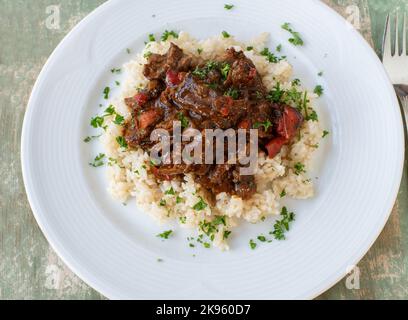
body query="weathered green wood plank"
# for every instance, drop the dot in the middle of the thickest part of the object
(29, 269)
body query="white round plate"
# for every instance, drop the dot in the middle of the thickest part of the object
(114, 248)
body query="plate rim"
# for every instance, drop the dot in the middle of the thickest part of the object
(88, 278)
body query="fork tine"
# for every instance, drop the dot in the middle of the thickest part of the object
(396, 35)
(387, 38)
(404, 36)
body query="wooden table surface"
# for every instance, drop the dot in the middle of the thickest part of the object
(29, 268)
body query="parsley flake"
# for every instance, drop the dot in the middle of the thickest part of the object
(283, 225)
(97, 122)
(170, 192)
(115, 70)
(299, 168)
(233, 93)
(167, 34)
(184, 121)
(98, 161)
(122, 142)
(267, 124)
(318, 90)
(296, 40)
(165, 234)
(262, 238)
(226, 234)
(225, 34)
(152, 38)
(106, 92)
(200, 205)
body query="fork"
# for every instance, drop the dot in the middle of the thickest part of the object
(397, 64)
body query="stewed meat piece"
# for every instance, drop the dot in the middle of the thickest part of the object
(223, 94)
(174, 60)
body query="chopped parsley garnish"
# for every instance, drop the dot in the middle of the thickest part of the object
(122, 142)
(147, 54)
(203, 72)
(258, 95)
(213, 86)
(290, 96)
(225, 70)
(320, 74)
(90, 138)
(97, 122)
(110, 110)
(117, 71)
(199, 50)
(228, 6)
(252, 244)
(159, 260)
(299, 168)
(206, 245)
(262, 238)
(184, 121)
(179, 200)
(226, 234)
(200, 73)
(98, 161)
(283, 193)
(318, 90)
(219, 220)
(304, 105)
(165, 234)
(119, 120)
(312, 116)
(233, 93)
(152, 38)
(170, 192)
(296, 40)
(325, 133)
(163, 203)
(267, 124)
(279, 48)
(113, 161)
(276, 94)
(269, 56)
(225, 34)
(168, 34)
(250, 48)
(211, 65)
(128, 51)
(295, 82)
(283, 225)
(106, 92)
(117, 83)
(200, 205)
(183, 220)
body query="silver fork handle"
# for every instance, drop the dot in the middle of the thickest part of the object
(402, 93)
(404, 103)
